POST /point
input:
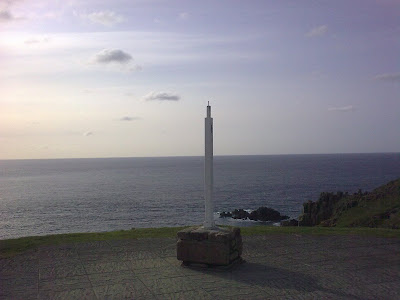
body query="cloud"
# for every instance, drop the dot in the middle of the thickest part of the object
(5, 13)
(88, 133)
(317, 31)
(6, 16)
(51, 15)
(183, 16)
(393, 77)
(32, 123)
(136, 68)
(342, 108)
(37, 40)
(129, 118)
(161, 96)
(112, 55)
(106, 18)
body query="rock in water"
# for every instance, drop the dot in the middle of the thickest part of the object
(291, 222)
(260, 214)
(240, 214)
(266, 214)
(225, 214)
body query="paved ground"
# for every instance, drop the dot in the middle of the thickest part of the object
(276, 267)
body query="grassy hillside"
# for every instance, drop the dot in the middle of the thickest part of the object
(379, 208)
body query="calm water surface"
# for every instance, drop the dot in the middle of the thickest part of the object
(40, 197)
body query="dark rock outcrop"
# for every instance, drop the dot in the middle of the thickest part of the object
(291, 222)
(240, 214)
(225, 214)
(266, 214)
(316, 212)
(260, 214)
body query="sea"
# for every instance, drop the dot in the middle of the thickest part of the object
(51, 196)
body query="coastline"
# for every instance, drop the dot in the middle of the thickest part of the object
(56, 197)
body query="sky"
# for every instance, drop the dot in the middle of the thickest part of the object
(132, 78)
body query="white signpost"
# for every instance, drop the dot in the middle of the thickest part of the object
(209, 244)
(208, 172)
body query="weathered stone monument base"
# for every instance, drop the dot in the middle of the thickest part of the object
(216, 247)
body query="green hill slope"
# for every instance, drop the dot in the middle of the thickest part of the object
(379, 208)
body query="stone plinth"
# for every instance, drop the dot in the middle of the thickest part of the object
(220, 246)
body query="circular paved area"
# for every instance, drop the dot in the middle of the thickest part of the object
(275, 267)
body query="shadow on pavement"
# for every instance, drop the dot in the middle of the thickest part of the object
(272, 279)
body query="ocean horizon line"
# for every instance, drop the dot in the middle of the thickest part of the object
(192, 156)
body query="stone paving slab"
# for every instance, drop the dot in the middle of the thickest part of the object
(276, 267)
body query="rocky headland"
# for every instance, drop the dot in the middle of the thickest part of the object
(378, 208)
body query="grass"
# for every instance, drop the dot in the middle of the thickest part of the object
(11, 247)
(363, 214)
(371, 207)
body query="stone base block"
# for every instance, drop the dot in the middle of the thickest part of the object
(219, 246)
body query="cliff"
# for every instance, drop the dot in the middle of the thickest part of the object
(379, 208)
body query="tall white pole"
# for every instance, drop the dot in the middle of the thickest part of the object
(208, 172)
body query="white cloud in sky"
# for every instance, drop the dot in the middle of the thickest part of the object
(106, 18)
(127, 118)
(342, 108)
(45, 81)
(183, 16)
(51, 15)
(394, 77)
(37, 40)
(6, 16)
(88, 133)
(162, 96)
(136, 68)
(106, 56)
(152, 49)
(317, 31)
